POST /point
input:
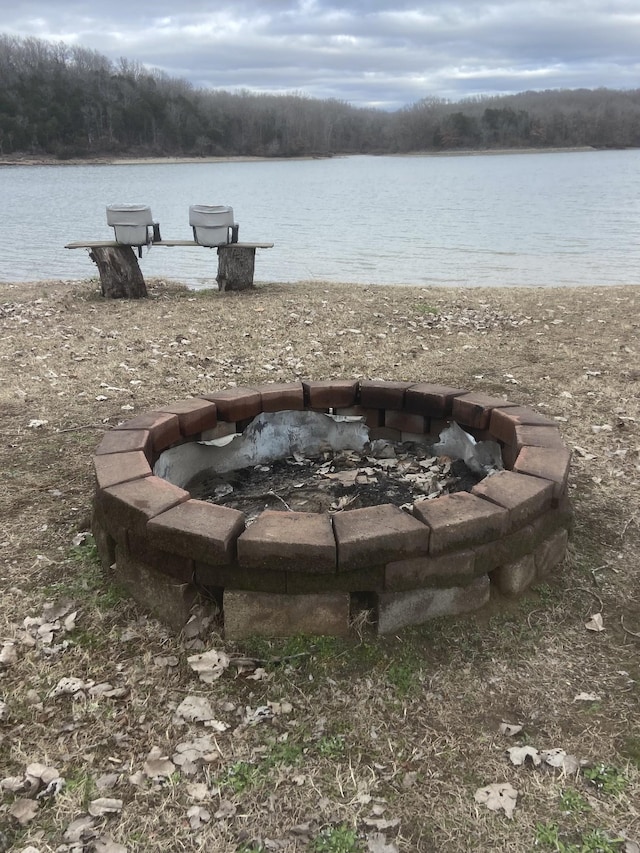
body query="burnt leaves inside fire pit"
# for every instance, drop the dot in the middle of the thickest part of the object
(385, 472)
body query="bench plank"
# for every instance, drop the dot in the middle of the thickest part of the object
(103, 244)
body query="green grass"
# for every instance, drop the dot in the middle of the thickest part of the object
(608, 780)
(572, 802)
(548, 837)
(336, 839)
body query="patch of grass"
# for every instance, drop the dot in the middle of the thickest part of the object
(240, 776)
(606, 779)
(424, 308)
(331, 746)
(244, 775)
(87, 552)
(631, 749)
(572, 802)
(595, 841)
(85, 579)
(402, 677)
(336, 839)
(80, 785)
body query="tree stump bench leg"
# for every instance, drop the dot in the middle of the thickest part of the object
(236, 265)
(120, 275)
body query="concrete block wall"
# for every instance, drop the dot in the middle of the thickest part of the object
(443, 559)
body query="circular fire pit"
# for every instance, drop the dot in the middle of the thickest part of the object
(291, 572)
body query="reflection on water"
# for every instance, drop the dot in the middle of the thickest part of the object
(492, 220)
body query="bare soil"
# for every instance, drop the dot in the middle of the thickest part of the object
(366, 745)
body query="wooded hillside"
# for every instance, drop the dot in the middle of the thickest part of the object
(69, 102)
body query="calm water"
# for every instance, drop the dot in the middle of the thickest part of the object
(493, 220)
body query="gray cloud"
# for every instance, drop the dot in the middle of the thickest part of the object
(379, 53)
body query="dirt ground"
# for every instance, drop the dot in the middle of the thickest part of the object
(367, 745)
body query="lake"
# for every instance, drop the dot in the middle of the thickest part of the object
(551, 219)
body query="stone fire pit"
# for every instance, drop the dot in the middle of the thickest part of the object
(291, 572)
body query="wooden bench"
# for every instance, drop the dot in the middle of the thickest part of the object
(121, 277)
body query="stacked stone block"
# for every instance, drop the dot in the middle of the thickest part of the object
(290, 572)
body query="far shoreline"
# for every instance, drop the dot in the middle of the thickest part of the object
(36, 160)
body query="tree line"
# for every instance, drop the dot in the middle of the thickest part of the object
(71, 102)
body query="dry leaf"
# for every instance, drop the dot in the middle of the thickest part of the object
(498, 796)
(105, 844)
(103, 806)
(81, 829)
(198, 791)
(23, 810)
(558, 758)
(519, 754)
(380, 823)
(158, 766)
(226, 809)
(583, 453)
(107, 780)
(12, 783)
(37, 773)
(8, 654)
(69, 687)
(194, 709)
(587, 697)
(108, 691)
(510, 729)
(377, 843)
(595, 623)
(209, 665)
(137, 779)
(198, 816)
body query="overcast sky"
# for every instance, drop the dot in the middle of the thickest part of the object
(384, 54)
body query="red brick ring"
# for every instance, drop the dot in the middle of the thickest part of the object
(292, 572)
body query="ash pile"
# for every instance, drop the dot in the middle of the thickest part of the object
(314, 462)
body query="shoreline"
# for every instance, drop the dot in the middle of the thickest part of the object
(8, 160)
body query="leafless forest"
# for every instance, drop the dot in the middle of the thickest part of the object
(69, 102)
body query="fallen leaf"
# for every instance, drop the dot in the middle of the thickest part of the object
(23, 810)
(103, 806)
(409, 779)
(198, 791)
(377, 843)
(595, 623)
(137, 779)
(105, 844)
(107, 781)
(81, 829)
(558, 758)
(583, 453)
(226, 809)
(69, 687)
(8, 654)
(380, 822)
(107, 691)
(510, 729)
(198, 816)
(587, 697)
(498, 796)
(194, 709)
(519, 754)
(12, 783)
(37, 773)
(210, 665)
(158, 766)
